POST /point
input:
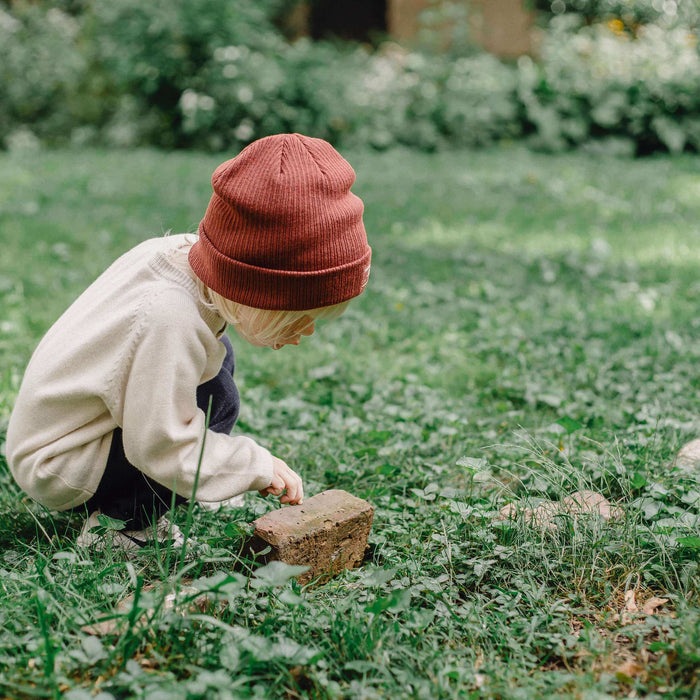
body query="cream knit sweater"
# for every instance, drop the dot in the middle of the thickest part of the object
(129, 352)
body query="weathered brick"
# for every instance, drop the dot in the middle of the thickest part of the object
(328, 533)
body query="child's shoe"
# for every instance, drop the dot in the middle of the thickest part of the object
(129, 540)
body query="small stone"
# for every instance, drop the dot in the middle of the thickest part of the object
(590, 502)
(542, 516)
(689, 455)
(545, 514)
(508, 512)
(328, 533)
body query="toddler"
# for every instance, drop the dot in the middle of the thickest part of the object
(111, 412)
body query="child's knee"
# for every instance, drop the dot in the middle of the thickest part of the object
(45, 481)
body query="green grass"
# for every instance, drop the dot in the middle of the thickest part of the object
(509, 291)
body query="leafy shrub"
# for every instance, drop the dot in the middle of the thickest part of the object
(157, 52)
(426, 100)
(214, 74)
(594, 82)
(631, 12)
(479, 102)
(41, 70)
(387, 98)
(245, 93)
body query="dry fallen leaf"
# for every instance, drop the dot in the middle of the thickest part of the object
(630, 609)
(630, 601)
(651, 605)
(628, 669)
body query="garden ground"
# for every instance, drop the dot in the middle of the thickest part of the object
(530, 329)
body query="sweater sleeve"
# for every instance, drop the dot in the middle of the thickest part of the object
(163, 427)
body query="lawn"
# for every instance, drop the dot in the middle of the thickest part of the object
(530, 329)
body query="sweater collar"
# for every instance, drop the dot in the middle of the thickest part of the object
(161, 263)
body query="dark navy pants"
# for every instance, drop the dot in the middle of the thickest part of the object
(127, 493)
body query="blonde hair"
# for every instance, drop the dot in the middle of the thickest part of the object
(269, 324)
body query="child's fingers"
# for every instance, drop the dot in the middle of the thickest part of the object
(295, 489)
(285, 483)
(277, 485)
(300, 490)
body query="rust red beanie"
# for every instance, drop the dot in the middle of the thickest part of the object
(282, 229)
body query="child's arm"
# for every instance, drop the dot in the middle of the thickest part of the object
(284, 478)
(162, 425)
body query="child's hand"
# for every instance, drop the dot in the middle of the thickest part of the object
(284, 478)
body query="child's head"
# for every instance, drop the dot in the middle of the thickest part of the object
(269, 327)
(282, 233)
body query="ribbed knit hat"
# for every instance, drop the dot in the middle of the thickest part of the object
(282, 229)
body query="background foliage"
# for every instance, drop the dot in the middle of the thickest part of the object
(638, 94)
(216, 75)
(530, 329)
(632, 13)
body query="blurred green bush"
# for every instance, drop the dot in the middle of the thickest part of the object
(351, 95)
(599, 85)
(216, 74)
(631, 13)
(161, 57)
(42, 70)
